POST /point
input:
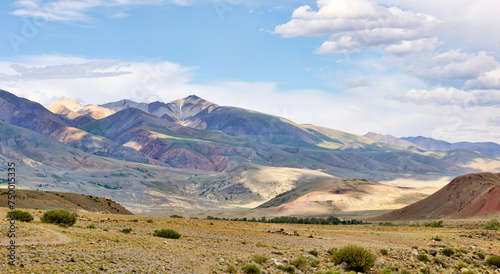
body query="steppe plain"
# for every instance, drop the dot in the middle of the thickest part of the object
(211, 246)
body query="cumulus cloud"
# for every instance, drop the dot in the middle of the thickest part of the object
(487, 80)
(362, 24)
(454, 65)
(73, 10)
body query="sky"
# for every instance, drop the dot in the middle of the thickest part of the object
(399, 67)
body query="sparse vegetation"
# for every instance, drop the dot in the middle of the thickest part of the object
(448, 251)
(493, 224)
(260, 259)
(358, 258)
(493, 260)
(20, 215)
(167, 233)
(231, 269)
(176, 216)
(288, 268)
(251, 269)
(91, 226)
(59, 216)
(423, 258)
(434, 224)
(480, 255)
(384, 251)
(300, 262)
(126, 230)
(314, 252)
(387, 224)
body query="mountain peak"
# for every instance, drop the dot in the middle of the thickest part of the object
(70, 104)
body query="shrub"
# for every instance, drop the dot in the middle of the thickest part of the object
(126, 230)
(439, 261)
(423, 258)
(251, 269)
(332, 250)
(299, 262)
(91, 226)
(330, 271)
(434, 224)
(386, 271)
(387, 224)
(176, 216)
(288, 268)
(437, 239)
(405, 271)
(59, 216)
(20, 215)
(314, 252)
(480, 255)
(315, 262)
(149, 221)
(231, 269)
(135, 220)
(260, 259)
(493, 260)
(358, 258)
(167, 233)
(493, 224)
(63, 225)
(461, 265)
(384, 251)
(448, 251)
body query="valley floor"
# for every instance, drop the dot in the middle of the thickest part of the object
(208, 246)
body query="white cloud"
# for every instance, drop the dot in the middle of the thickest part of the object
(407, 46)
(360, 25)
(362, 109)
(450, 96)
(74, 10)
(454, 65)
(487, 80)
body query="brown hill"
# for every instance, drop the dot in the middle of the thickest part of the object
(76, 202)
(340, 195)
(465, 196)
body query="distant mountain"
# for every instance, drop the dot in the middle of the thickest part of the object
(489, 148)
(33, 116)
(192, 154)
(389, 139)
(466, 196)
(338, 195)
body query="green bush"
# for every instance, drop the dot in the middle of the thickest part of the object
(423, 258)
(300, 262)
(480, 255)
(288, 268)
(231, 269)
(358, 258)
(91, 226)
(251, 269)
(315, 262)
(384, 251)
(63, 225)
(386, 271)
(448, 251)
(330, 271)
(314, 252)
(176, 216)
(387, 224)
(493, 224)
(493, 260)
(260, 259)
(167, 233)
(434, 224)
(461, 265)
(438, 260)
(59, 216)
(126, 230)
(20, 215)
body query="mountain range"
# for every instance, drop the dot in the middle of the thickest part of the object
(191, 154)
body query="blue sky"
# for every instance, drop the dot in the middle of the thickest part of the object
(390, 66)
